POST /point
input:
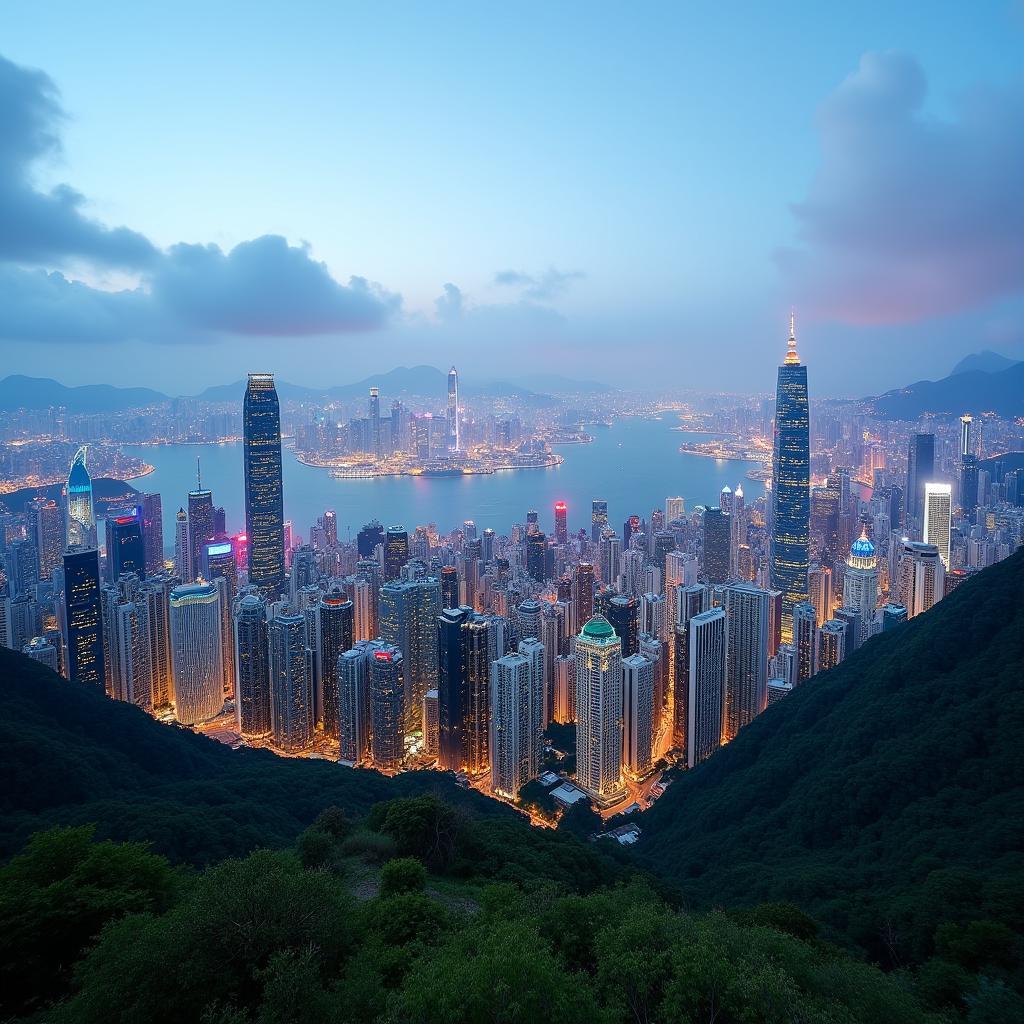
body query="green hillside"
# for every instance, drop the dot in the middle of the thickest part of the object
(886, 797)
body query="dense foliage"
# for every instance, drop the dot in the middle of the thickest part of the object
(886, 797)
(273, 939)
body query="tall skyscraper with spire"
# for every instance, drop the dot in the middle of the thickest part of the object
(454, 440)
(264, 492)
(791, 485)
(81, 522)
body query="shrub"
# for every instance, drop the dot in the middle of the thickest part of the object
(402, 875)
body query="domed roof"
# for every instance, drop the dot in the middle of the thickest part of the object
(598, 628)
(862, 547)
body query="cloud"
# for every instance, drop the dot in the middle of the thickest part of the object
(449, 306)
(260, 288)
(910, 216)
(542, 287)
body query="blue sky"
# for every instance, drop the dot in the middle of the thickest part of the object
(631, 193)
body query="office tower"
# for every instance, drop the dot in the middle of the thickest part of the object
(654, 615)
(609, 553)
(968, 469)
(155, 593)
(514, 739)
(462, 653)
(431, 724)
(631, 572)
(746, 665)
(582, 595)
(218, 562)
(623, 615)
(335, 631)
(196, 652)
(892, 616)
(630, 527)
(264, 494)
(598, 519)
(675, 509)
(49, 536)
(819, 585)
(449, 577)
(831, 644)
(23, 568)
(252, 666)
(599, 710)
(791, 487)
(387, 705)
(565, 689)
(454, 437)
(126, 629)
(487, 546)
(638, 702)
(938, 513)
(860, 585)
(706, 697)
(561, 523)
(477, 696)
(375, 439)
(528, 616)
(352, 683)
(291, 689)
(24, 620)
(200, 527)
(408, 619)
(153, 533)
(81, 521)
(536, 656)
(365, 591)
(330, 527)
(368, 538)
(532, 521)
(920, 469)
(725, 500)
(125, 549)
(921, 577)
(664, 545)
(182, 551)
(656, 652)
(396, 552)
(716, 545)
(850, 617)
(83, 617)
(304, 571)
(805, 641)
(41, 650)
(536, 556)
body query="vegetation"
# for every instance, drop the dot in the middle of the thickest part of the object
(885, 797)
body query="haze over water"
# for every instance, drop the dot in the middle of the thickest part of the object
(634, 466)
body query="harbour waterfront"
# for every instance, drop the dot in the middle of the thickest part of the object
(634, 465)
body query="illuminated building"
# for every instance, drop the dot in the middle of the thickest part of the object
(920, 469)
(335, 634)
(938, 512)
(218, 561)
(49, 535)
(378, 450)
(892, 616)
(582, 595)
(387, 703)
(125, 549)
(716, 544)
(536, 556)
(651, 648)
(968, 469)
(598, 519)
(454, 430)
(449, 577)
(805, 642)
(182, 552)
(791, 487)
(431, 723)
(746, 666)
(396, 552)
(860, 585)
(196, 652)
(565, 689)
(264, 496)
(609, 554)
(153, 533)
(623, 616)
(200, 527)
(561, 523)
(638, 700)
(831, 644)
(352, 684)
(819, 583)
(599, 711)
(368, 538)
(778, 689)
(511, 742)
(706, 697)
(409, 610)
(675, 509)
(921, 579)
(252, 666)
(81, 520)
(41, 650)
(463, 690)
(291, 688)
(83, 617)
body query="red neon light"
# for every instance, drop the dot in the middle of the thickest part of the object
(382, 655)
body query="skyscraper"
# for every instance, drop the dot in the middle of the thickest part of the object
(264, 496)
(81, 522)
(153, 533)
(182, 552)
(396, 552)
(921, 577)
(706, 698)
(335, 634)
(716, 544)
(561, 523)
(599, 710)
(968, 469)
(49, 536)
(805, 642)
(638, 700)
(196, 652)
(598, 519)
(938, 510)
(536, 556)
(675, 509)
(83, 617)
(291, 689)
(582, 595)
(454, 438)
(860, 585)
(746, 664)
(252, 666)
(920, 469)
(831, 644)
(378, 450)
(219, 567)
(387, 705)
(353, 688)
(791, 486)
(452, 686)
(200, 526)
(126, 550)
(513, 745)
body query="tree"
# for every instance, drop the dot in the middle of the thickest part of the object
(402, 875)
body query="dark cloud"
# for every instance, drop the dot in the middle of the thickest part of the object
(449, 306)
(541, 287)
(911, 216)
(263, 287)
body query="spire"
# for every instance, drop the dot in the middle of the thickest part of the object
(792, 359)
(199, 476)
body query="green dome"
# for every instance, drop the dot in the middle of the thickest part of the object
(598, 628)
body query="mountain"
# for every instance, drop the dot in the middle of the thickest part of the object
(976, 391)
(20, 392)
(885, 797)
(986, 361)
(69, 755)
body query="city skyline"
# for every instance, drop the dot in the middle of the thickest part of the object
(815, 229)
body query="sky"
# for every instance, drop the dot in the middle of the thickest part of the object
(637, 194)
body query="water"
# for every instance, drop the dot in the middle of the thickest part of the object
(634, 466)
